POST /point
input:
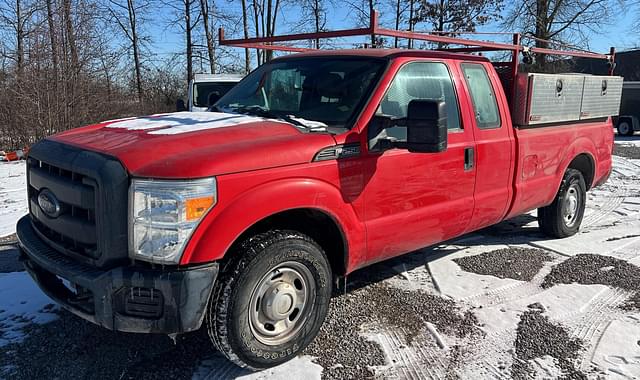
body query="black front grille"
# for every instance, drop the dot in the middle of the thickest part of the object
(74, 230)
(90, 191)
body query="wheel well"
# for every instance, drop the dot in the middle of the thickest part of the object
(625, 118)
(318, 225)
(584, 163)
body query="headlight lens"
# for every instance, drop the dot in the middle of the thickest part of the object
(164, 215)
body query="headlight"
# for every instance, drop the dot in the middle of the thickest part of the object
(164, 215)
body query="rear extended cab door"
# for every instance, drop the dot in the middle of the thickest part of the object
(494, 143)
(412, 200)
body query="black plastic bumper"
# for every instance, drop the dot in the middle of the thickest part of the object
(126, 298)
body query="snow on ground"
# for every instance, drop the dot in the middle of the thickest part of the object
(21, 303)
(13, 195)
(629, 140)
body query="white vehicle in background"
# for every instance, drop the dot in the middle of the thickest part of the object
(629, 119)
(206, 89)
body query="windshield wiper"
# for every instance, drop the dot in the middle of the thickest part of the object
(315, 126)
(311, 126)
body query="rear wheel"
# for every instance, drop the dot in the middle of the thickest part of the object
(562, 218)
(625, 128)
(270, 300)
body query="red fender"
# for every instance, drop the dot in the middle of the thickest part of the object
(228, 220)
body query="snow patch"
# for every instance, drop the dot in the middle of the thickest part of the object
(13, 195)
(183, 122)
(618, 352)
(301, 367)
(21, 304)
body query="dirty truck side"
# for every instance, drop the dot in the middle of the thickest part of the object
(317, 164)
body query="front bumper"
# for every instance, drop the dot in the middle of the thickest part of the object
(125, 298)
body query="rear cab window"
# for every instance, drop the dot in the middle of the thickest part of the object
(483, 96)
(420, 80)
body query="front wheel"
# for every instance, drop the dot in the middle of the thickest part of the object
(624, 128)
(562, 218)
(270, 300)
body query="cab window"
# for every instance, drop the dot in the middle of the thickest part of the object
(483, 97)
(419, 80)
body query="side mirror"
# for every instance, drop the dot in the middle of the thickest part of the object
(426, 126)
(180, 106)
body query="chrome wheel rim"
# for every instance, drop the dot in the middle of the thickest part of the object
(571, 206)
(281, 302)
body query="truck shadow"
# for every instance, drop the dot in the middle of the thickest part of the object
(519, 230)
(71, 348)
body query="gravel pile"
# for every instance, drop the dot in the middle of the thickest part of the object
(345, 354)
(628, 151)
(633, 303)
(590, 269)
(537, 337)
(516, 263)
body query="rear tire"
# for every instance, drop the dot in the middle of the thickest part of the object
(270, 299)
(562, 218)
(625, 128)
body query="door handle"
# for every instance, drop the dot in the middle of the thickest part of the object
(468, 158)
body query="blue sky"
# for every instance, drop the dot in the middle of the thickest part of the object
(168, 40)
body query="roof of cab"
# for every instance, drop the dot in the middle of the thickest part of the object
(388, 53)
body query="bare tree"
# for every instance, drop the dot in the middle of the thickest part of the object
(52, 37)
(314, 12)
(565, 22)
(457, 15)
(70, 36)
(126, 15)
(204, 9)
(17, 16)
(363, 11)
(245, 30)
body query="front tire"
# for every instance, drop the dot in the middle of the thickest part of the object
(562, 218)
(270, 300)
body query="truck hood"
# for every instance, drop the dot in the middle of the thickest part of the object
(197, 144)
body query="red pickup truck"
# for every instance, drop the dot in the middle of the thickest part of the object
(313, 166)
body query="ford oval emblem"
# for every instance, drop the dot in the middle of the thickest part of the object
(48, 203)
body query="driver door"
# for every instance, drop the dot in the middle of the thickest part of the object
(413, 200)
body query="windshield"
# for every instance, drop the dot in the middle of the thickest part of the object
(201, 91)
(324, 90)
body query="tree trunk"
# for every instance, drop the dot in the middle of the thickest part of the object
(542, 27)
(270, 25)
(187, 19)
(134, 42)
(245, 27)
(316, 15)
(441, 21)
(204, 6)
(410, 44)
(53, 39)
(68, 22)
(256, 15)
(19, 39)
(371, 11)
(395, 39)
